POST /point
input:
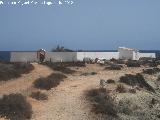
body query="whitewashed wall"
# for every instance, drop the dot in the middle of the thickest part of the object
(23, 56)
(68, 56)
(153, 55)
(61, 56)
(93, 55)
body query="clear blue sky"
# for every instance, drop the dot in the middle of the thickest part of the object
(88, 24)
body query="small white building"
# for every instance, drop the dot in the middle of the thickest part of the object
(128, 53)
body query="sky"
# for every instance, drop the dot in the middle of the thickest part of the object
(84, 25)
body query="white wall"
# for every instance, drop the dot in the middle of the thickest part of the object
(69, 56)
(61, 56)
(153, 55)
(93, 55)
(23, 56)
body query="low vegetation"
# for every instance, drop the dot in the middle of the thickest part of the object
(147, 61)
(14, 70)
(133, 63)
(88, 73)
(127, 107)
(151, 71)
(64, 67)
(15, 107)
(132, 90)
(136, 80)
(39, 95)
(152, 64)
(109, 81)
(121, 89)
(118, 61)
(158, 77)
(114, 67)
(49, 82)
(123, 108)
(102, 102)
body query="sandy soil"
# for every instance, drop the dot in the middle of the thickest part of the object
(23, 84)
(66, 101)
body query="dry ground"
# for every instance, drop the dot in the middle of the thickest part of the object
(66, 101)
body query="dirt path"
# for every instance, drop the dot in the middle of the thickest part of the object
(24, 83)
(67, 101)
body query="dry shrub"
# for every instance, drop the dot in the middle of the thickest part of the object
(113, 60)
(15, 107)
(133, 63)
(132, 90)
(39, 95)
(145, 58)
(158, 61)
(14, 70)
(102, 102)
(23, 67)
(136, 80)
(124, 107)
(7, 71)
(151, 71)
(88, 73)
(158, 77)
(117, 61)
(114, 67)
(64, 66)
(110, 81)
(127, 106)
(121, 61)
(120, 88)
(49, 82)
(151, 62)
